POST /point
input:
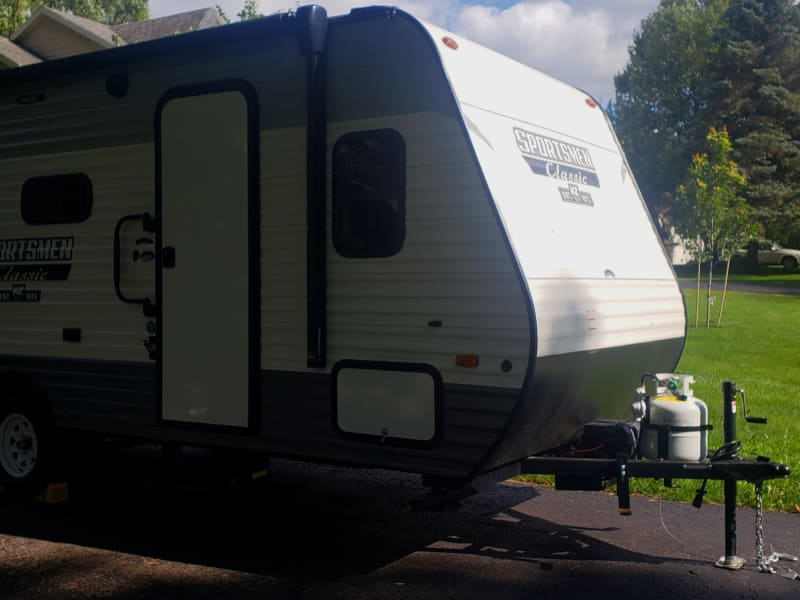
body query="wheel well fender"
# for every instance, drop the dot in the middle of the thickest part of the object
(21, 387)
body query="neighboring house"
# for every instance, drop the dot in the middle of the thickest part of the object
(49, 34)
(677, 250)
(12, 55)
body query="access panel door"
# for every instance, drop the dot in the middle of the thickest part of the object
(207, 269)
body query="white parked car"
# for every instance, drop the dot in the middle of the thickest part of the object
(770, 253)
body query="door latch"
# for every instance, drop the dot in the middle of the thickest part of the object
(151, 346)
(168, 257)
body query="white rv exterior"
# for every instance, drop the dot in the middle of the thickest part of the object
(503, 285)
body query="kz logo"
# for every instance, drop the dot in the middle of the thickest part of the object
(18, 293)
(575, 195)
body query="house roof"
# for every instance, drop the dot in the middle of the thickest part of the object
(14, 56)
(101, 34)
(23, 46)
(142, 31)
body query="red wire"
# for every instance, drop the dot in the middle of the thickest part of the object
(584, 451)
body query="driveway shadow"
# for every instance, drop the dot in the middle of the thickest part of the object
(312, 531)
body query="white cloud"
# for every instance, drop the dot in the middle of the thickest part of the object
(434, 11)
(583, 42)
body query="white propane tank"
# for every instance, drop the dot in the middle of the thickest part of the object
(673, 405)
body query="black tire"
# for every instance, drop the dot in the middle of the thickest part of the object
(789, 263)
(26, 445)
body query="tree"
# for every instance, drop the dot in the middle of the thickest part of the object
(249, 11)
(722, 63)
(710, 211)
(222, 14)
(13, 13)
(661, 102)
(758, 96)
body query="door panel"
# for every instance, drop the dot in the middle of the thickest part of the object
(205, 261)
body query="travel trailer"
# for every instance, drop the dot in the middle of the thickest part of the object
(359, 240)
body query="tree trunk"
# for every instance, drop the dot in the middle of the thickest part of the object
(708, 292)
(697, 299)
(752, 257)
(724, 290)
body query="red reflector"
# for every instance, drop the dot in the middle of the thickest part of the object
(467, 360)
(591, 102)
(450, 43)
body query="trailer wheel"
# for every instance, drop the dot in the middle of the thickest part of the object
(25, 447)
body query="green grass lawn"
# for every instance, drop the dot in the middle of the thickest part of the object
(758, 347)
(772, 276)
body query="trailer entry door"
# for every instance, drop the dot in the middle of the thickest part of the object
(207, 281)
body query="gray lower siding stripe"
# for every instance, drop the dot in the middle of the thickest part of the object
(296, 415)
(109, 390)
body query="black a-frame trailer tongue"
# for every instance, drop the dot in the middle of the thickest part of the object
(725, 465)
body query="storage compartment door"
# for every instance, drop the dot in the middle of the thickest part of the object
(388, 403)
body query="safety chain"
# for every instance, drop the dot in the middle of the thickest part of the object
(765, 562)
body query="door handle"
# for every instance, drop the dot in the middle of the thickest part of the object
(148, 225)
(168, 257)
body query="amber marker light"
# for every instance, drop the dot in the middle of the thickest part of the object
(467, 360)
(450, 43)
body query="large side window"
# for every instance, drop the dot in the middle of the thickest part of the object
(56, 199)
(369, 194)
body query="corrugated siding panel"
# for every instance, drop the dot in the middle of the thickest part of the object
(575, 315)
(119, 392)
(454, 267)
(283, 249)
(122, 182)
(78, 113)
(81, 128)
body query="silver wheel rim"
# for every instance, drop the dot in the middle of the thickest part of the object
(19, 446)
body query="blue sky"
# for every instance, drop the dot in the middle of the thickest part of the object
(583, 42)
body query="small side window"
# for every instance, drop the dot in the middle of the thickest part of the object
(369, 194)
(56, 199)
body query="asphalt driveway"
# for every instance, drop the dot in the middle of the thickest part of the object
(321, 532)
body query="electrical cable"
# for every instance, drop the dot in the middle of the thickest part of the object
(685, 547)
(726, 451)
(584, 450)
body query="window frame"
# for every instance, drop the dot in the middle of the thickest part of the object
(392, 195)
(34, 207)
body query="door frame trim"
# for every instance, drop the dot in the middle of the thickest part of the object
(250, 96)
